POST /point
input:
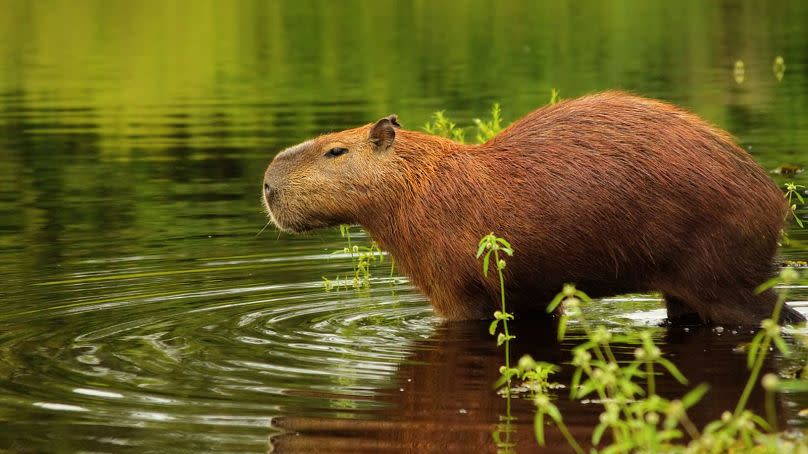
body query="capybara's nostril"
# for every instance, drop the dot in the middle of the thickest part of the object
(269, 192)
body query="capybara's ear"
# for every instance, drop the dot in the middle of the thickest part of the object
(383, 132)
(394, 119)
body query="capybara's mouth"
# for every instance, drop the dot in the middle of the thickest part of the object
(289, 226)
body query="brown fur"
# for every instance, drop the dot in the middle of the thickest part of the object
(613, 192)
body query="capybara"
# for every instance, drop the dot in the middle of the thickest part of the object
(613, 192)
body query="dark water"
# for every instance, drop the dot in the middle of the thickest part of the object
(143, 313)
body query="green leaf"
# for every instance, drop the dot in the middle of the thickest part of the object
(492, 328)
(501, 339)
(767, 285)
(483, 246)
(585, 389)
(754, 347)
(695, 395)
(670, 434)
(505, 376)
(538, 427)
(632, 389)
(626, 446)
(500, 382)
(598, 433)
(781, 345)
(562, 327)
(794, 385)
(485, 263)
(554, 303)
(673, 370)
(760, 422)
(576, 380)
(552, 410)
(583, 296)
(633, 369)
(713, 427)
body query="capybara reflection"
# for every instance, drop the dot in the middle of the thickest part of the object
(613, 192)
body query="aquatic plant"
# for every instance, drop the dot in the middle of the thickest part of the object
(492, 245)
(554, 96)
(362, 257)
(743, 430)
(634, 415)
(636, 418)
(793, 195)
(487, 129)
(440, 125)
(639, 419)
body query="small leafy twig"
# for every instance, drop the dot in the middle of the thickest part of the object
(793, 195)
(492, 244)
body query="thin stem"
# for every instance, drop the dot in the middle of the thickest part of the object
(691, 428)
(763, 351)
(505, 320)
(350, 250)
(771, 411)
(603, 392)
(649, 370)
(570, 439)
(753, 376)
(609, 354)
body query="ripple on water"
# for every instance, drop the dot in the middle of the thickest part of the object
(111, 353)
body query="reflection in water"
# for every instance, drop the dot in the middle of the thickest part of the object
(442, 398)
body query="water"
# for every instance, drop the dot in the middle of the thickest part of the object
(143, 312)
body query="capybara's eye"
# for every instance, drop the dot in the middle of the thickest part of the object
(334, 152)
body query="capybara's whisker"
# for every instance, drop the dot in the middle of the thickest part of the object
(262, 229)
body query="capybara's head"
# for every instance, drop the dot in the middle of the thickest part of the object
(330, 179)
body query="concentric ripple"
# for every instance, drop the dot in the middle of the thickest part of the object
(111, 354)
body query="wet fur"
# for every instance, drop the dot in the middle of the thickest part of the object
(612, 192)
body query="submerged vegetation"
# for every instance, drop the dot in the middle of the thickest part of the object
(362, 257)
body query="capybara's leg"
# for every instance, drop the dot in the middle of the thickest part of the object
(763, 305)
(459, 304)
(679, 313)
(743, 307)
(737, 307)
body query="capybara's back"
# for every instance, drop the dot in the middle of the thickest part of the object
(632, 194)
(612, 192)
